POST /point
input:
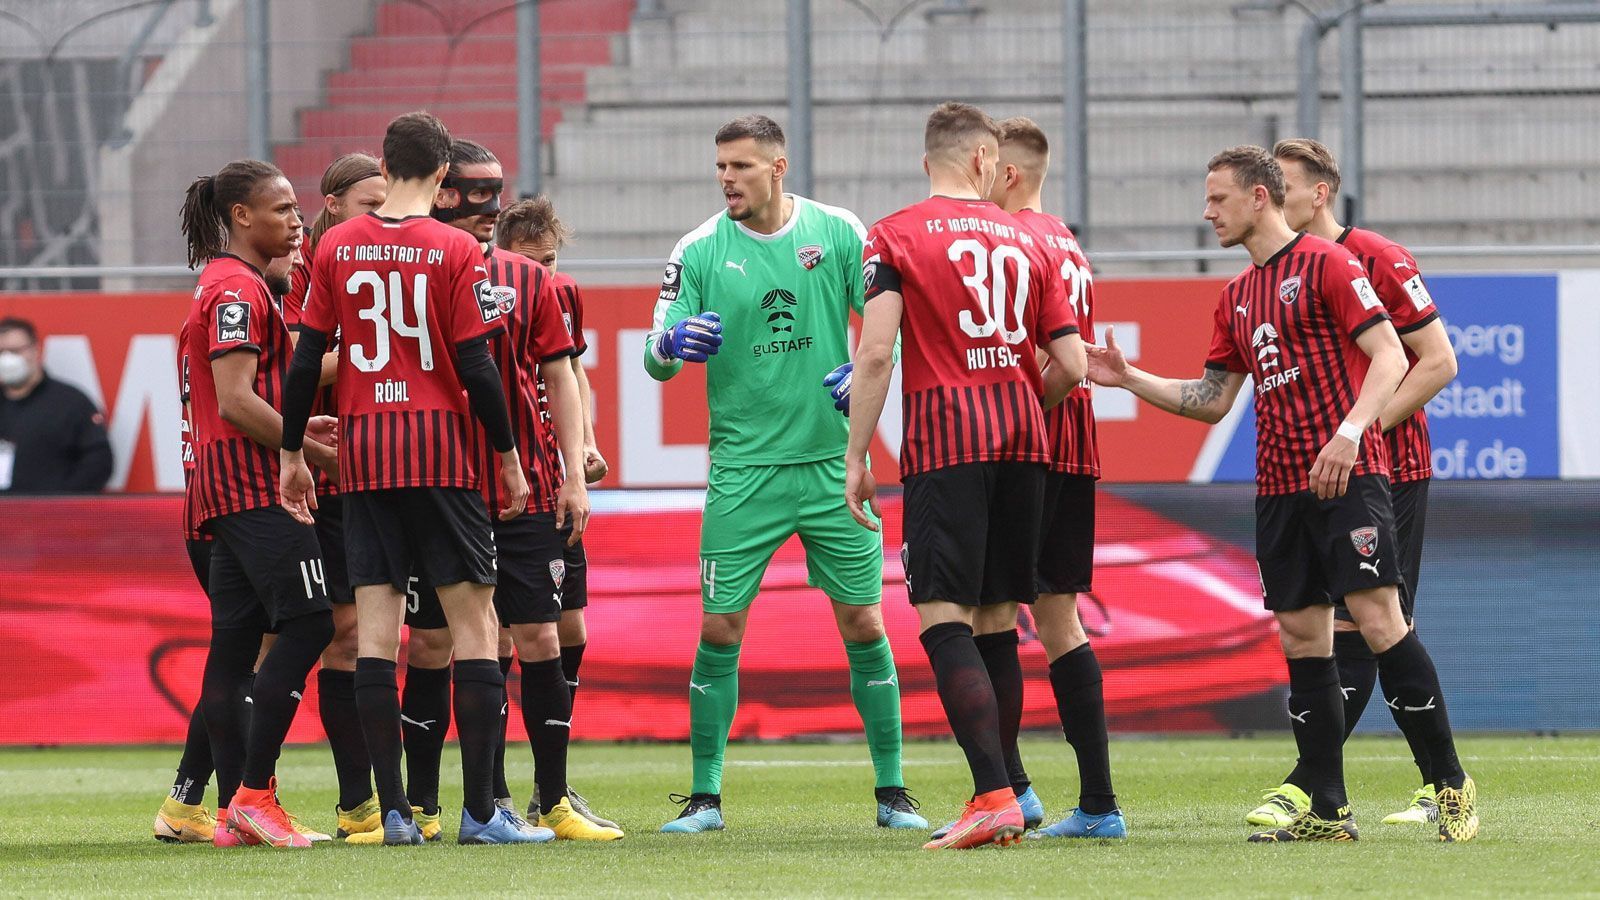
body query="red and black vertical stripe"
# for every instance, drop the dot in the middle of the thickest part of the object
(952, 425)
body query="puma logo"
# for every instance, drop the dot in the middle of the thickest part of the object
(1423, 708)
(698, 687)
(1369, 567)
(737, 265)
(425, 724)
(891, 681)
(1301, 718)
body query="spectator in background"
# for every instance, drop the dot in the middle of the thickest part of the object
(52, 437)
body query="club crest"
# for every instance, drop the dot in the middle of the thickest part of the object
(809, 256)
(558, 571)
(1289, 289)
(1365, 540)
(505, 298)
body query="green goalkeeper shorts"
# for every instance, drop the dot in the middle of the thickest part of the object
(751, 510)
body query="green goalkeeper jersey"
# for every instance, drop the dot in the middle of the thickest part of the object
(785, 301)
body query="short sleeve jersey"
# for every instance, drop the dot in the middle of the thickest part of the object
(1074, 446)
(534, 334)
(1395, 276)
(232, 312)
(980, 295)
(402, 294)
(294, 306)
(785, 300)
(1291, 323)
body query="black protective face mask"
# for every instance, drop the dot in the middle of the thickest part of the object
(465, 187)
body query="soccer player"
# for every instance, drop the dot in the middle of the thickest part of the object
(183, 817)
(1311, 182)
(529, 596)
(974, 296)
(410, 299)
(530, 228)
(776, 275)
(1305, 323)
(1066, 550)
(352, 185)
(266, 568)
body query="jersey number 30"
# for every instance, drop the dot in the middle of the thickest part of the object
(997, 299)
(388, 312)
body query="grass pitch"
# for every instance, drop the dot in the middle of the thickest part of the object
(801, 823)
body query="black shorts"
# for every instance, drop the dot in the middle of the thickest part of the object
(330, 534)
(1410, 501)
(575, 589)
(1066, 539)
(200, 559)
(972, 533)
(441, 535)
(1316, 551)
(533, 569)
(266, 569)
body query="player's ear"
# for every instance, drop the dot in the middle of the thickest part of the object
(440, 173)
(925, 170)
(239, 215)
(779, 166)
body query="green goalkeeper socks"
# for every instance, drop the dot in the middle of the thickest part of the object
(875, 687)
(713, 699)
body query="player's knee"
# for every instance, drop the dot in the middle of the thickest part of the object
(572, 628)
(994, 619)
(1055, 616)
(859, 624)
(536, 641)
(342, 651)
(430, 648)
(722, 629)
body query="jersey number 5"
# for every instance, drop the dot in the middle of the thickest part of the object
(994, 294)
(388, 312)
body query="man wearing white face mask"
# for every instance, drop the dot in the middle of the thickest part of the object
(52, 437)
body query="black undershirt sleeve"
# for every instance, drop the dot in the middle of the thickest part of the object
(300, 387)
(481, 378)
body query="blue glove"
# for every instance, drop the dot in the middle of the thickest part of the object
(839, 382)
(694, 339)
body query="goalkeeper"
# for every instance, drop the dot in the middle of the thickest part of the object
(761, 295)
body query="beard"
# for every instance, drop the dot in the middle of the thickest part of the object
(279, 285)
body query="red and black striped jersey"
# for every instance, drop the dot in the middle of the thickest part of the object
(233, 311)
(191, 524)
(294, 307)
(1074, 446)
(533, 334)
(1395, 276)
(402, 295)
(979, 295)
(1291, 324)
(571, 301)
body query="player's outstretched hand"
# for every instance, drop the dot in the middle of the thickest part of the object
(838, 382)
(296, 490)
(860, 488)
(694, 339)
(572, 505)
(513, 486)
(1330, 474)
(1107, 366)
(594, 465)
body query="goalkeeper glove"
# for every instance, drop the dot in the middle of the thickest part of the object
(838, 381)
(694, 339)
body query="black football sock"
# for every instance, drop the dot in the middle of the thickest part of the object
(378, 700)
(547, 713)
(1316, 710)
(1411, 688)
(279, 685)
(424, 719)
(501, 789)
(223, 687)
(194, 767)
(1358, 673)
(999, 652)
(969, 702)
(336, 704)
(571, 661)
(479, 692)
(1080, 701)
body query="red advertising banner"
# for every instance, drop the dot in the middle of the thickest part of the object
(106, 630)
(120, 349)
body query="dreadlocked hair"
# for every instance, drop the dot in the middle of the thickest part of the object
(206, 215)
(343, 174)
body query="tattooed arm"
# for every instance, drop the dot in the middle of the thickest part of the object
(1207, 398)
